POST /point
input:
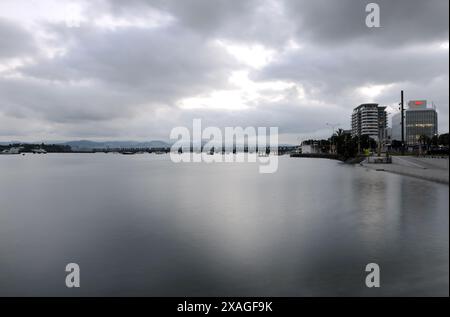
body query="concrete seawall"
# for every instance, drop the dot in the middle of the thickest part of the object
(432, 169)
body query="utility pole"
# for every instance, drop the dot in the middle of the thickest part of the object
(402, 122)
(379, 137)
(381, 132)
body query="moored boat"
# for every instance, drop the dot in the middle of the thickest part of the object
(11, 151)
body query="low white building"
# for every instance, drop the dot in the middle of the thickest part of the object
(13, 150)
(310, 148)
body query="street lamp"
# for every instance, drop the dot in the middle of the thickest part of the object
(380, 125)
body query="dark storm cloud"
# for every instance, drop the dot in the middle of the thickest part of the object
(201, 16)
(335, 23)
(57, 103)
(335, 71)
(128, 80)
(162, 64)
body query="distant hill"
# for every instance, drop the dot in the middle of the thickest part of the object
(10, 142)
(88, 145)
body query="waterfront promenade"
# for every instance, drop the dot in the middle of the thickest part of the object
(428, 168)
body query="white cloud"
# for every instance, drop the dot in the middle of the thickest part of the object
(134, 69)
(371, 92)
(246, 94)
(254, 55)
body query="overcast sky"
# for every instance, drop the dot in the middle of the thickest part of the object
(113, 69)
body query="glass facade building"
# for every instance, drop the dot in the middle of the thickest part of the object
(420, 122)
(396, 133)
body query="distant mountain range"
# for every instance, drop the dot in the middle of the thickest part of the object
(89, 145)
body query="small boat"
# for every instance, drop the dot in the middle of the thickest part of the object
(11, 151)
(128, 153)
(39, 151)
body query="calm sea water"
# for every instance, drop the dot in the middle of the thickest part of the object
(142, 225)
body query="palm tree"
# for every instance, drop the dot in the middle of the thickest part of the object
(339, 132)
(338, 140)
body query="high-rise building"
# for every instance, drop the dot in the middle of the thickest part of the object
(369, 119)
(419, 120)
(396, 132)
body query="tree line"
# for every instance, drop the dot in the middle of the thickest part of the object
(28, 148)
(347, 146)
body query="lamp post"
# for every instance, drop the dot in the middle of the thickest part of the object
(379, 135)
(402, 122)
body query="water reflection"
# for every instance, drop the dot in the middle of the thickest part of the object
(142, 225)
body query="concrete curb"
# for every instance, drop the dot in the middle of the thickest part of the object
(439, 176)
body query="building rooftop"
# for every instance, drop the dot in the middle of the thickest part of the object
(366, 105)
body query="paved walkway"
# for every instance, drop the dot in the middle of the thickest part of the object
(432, 169)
